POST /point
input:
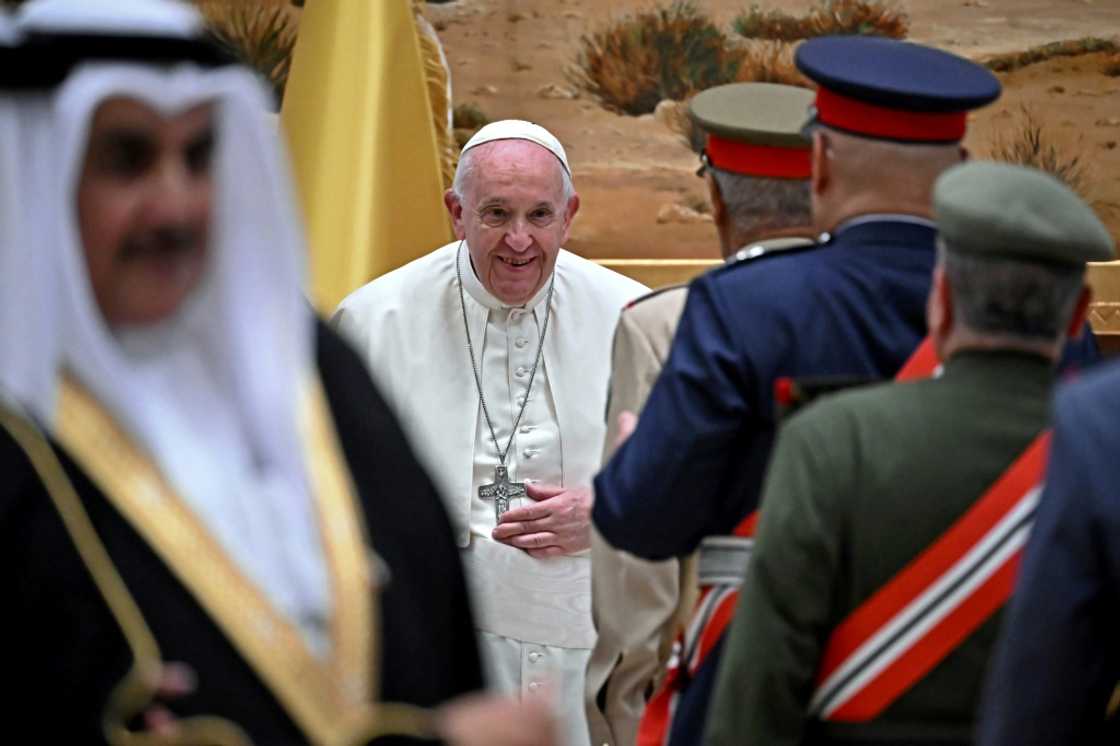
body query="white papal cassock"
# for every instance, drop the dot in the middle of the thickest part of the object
(533, 615)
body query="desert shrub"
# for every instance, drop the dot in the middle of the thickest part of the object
(1027, 143)
(468, 116)
(770, 62)
(756, 23)
(763, 62)
(1068, 48)
(828, 17)
(261, 36)
(667, 52)
(466, 119)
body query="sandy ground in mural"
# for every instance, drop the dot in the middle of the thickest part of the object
(509, 57)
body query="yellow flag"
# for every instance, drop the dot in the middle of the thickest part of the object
(359, 127)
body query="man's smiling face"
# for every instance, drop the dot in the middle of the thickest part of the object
(513, 215)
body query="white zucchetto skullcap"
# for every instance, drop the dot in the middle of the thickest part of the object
(120, 17)
(519, 129)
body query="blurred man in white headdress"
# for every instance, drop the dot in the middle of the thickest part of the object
(213, 503)
(495, 351)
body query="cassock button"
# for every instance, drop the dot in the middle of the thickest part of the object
(534, 656)
(521, 371)
(534, 686)
(530, 453)
(526, 429)
(520, 343)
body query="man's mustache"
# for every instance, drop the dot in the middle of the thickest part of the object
(162, 241)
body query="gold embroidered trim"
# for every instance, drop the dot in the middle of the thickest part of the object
(328, 700)
(135, 691)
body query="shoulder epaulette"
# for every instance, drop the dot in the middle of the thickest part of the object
(653, 294)
(757, 251)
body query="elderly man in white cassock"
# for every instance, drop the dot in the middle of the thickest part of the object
(495, 352)
(193, 536)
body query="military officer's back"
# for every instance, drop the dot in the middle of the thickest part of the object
(756, 163)
(889, 119)
(892, 516)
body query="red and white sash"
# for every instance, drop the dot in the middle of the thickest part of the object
(933, 604)
(716, 605)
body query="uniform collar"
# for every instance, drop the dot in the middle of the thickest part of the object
(880, 217)
(478, 291)
(907, 230)
(1008, 366)
(766, 245)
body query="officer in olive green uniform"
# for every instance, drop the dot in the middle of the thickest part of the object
(872, 507)
(757, 166)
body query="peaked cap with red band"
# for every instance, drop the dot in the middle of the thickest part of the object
(755, 129)
(893, 90)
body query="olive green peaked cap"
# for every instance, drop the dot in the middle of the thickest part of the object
(1017, 212)
(757, 113)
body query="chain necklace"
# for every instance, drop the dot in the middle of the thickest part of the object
(502, 490)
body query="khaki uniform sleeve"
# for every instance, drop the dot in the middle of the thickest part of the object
(771, 654)
(634, 602)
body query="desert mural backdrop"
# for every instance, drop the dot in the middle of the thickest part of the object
(611, 78)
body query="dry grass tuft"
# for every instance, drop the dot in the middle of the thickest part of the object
(261, 36)
(1029, 144)
(469, 116)
(663, 53)
(1069, 48)
(828, 17)
(770, 62)
(466, 119)
(763, 62)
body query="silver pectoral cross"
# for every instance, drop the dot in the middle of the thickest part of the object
(502, 490)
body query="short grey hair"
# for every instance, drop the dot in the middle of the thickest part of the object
(757, 203)
(466, 168)
(1025, 300)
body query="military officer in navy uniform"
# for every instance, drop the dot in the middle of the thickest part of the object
(756, 164)
(1058, 662)
(873, 598)
(889, 118)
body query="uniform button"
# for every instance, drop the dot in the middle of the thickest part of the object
(520, 343)
(534, 657)
(521, 371)
(526, 429)
(534, 686)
